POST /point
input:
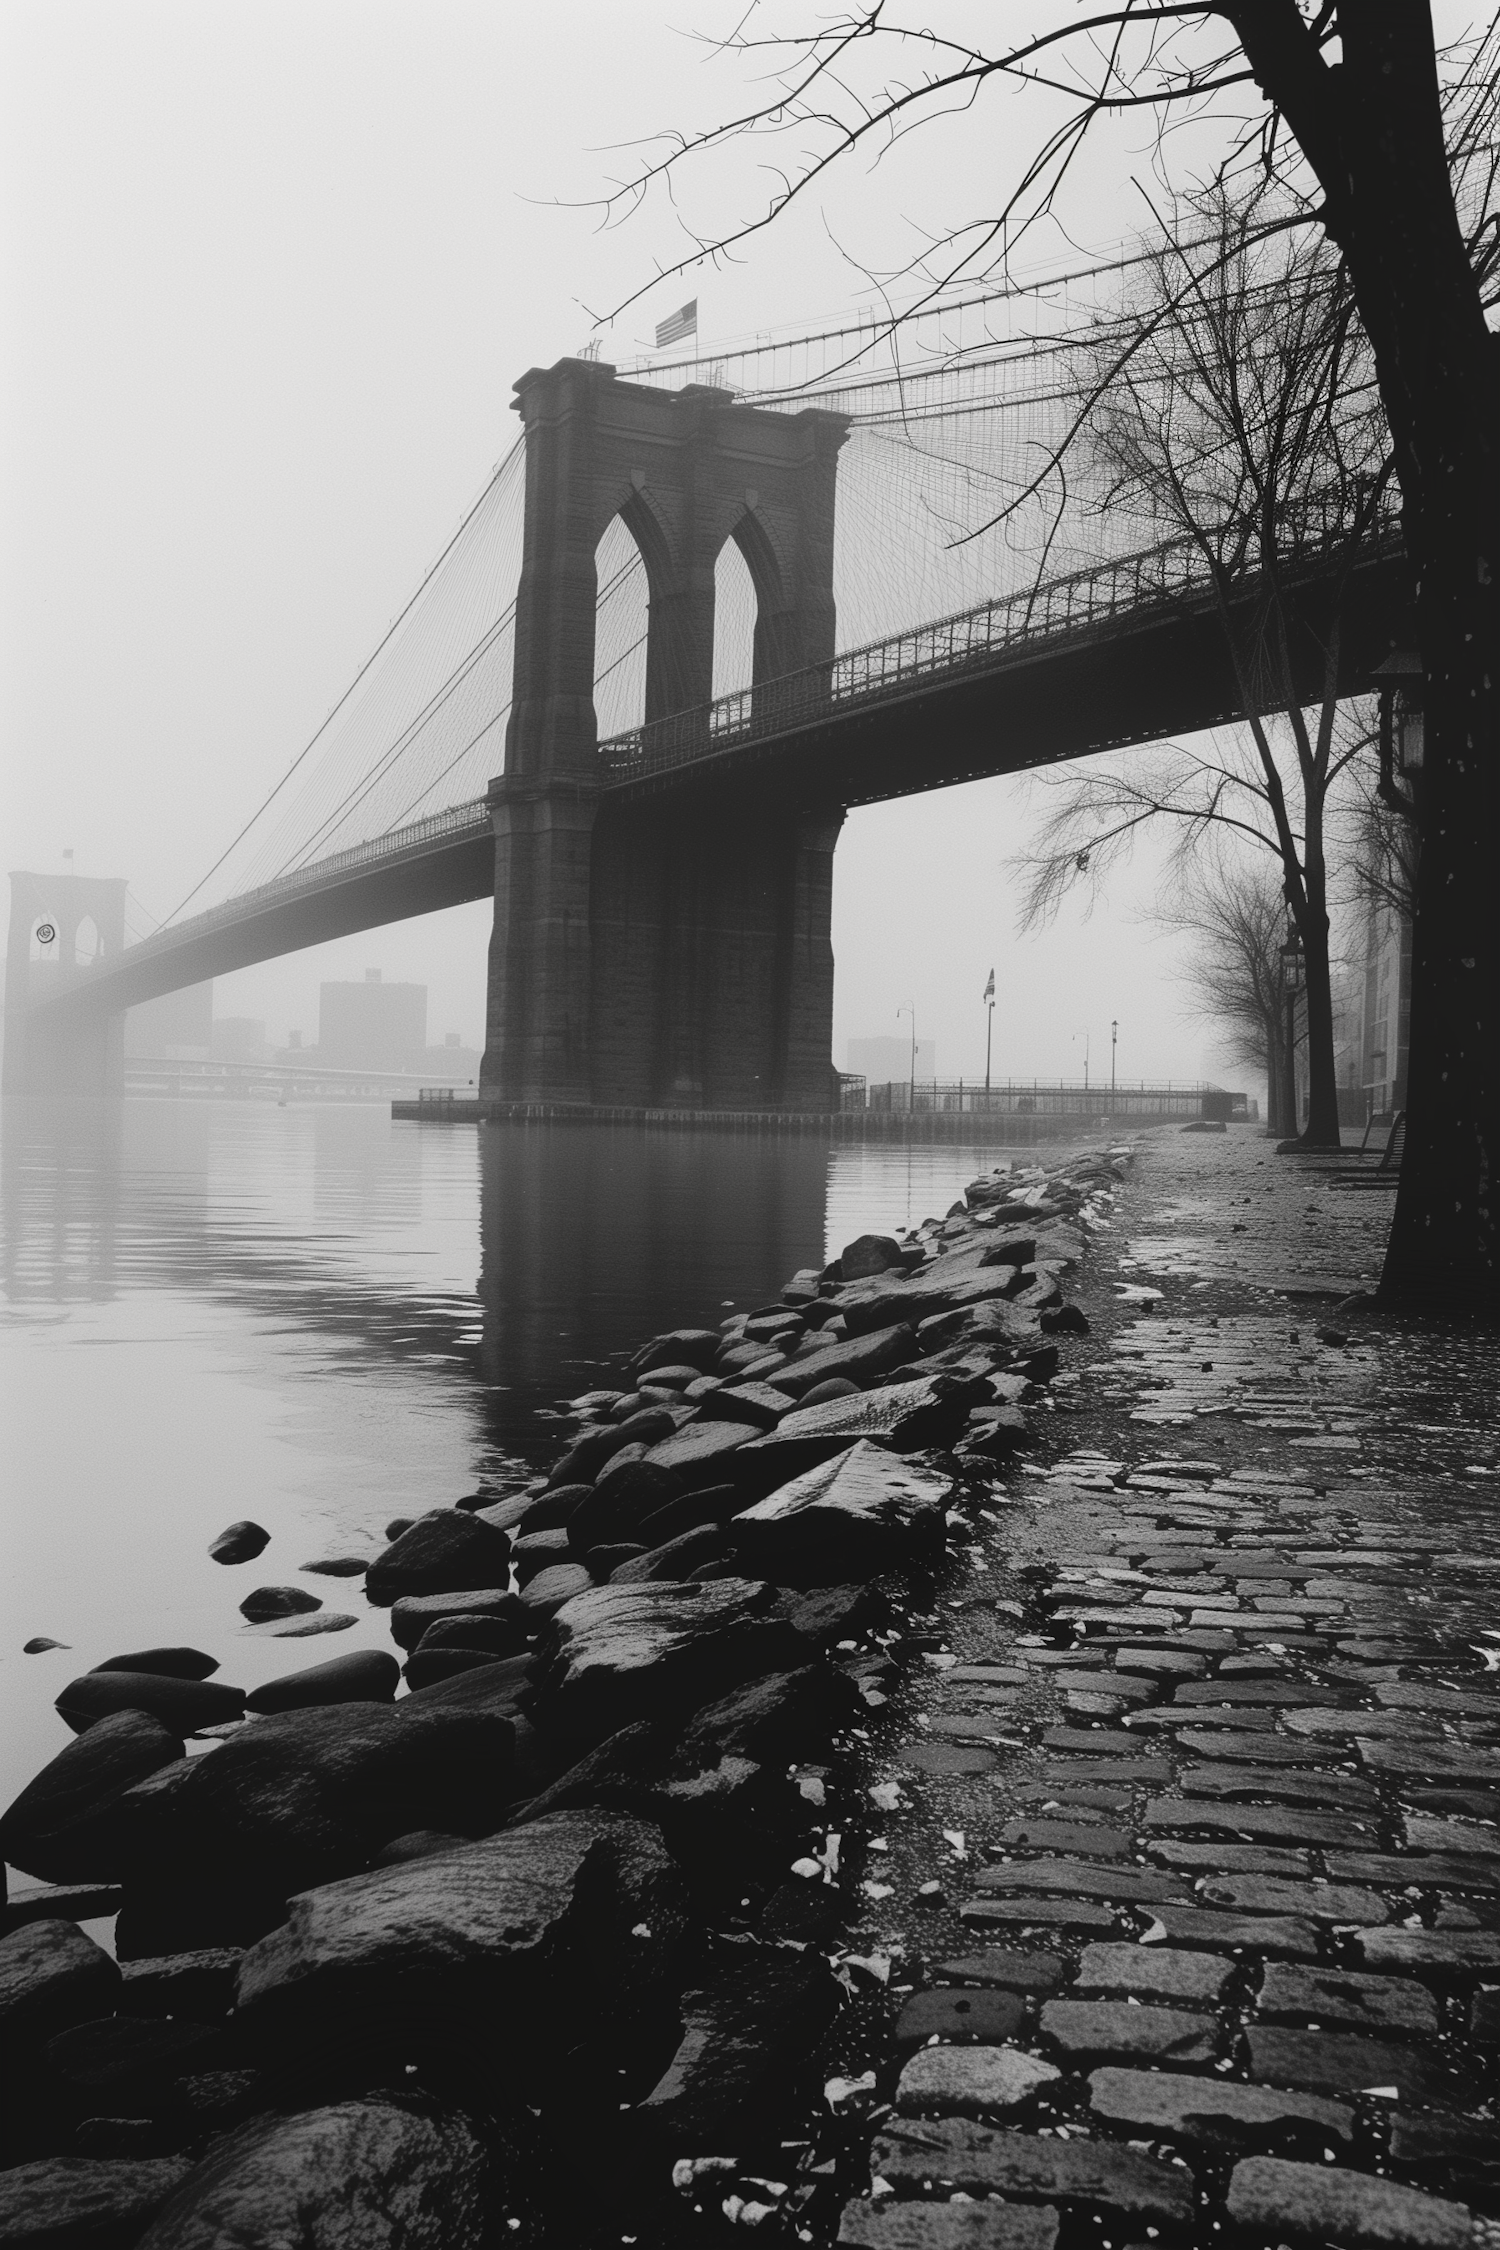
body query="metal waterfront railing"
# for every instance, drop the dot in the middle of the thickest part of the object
(1031, 1097)
(1153, 578)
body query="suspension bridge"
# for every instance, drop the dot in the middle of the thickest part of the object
(663, 654)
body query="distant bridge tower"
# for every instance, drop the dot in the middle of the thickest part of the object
(62, 926)
(669, 948)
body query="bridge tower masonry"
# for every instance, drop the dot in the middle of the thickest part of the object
(84, 1056)
(666, 947)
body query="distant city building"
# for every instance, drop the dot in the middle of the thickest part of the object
(238, 1039)
(372, 1025)
(881, 1061)
(179, 1027)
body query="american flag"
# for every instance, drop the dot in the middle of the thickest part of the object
(683, 322)
(989, 990)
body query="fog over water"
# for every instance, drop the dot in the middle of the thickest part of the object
(214, 1310)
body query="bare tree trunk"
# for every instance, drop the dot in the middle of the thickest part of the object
(1373, 130)
(1322, 1127)
(1274, 1095)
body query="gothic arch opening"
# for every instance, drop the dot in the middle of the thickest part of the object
(736, 605)
(621, 624)
(88, 945)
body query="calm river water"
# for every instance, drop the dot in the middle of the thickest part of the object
(321, 1319)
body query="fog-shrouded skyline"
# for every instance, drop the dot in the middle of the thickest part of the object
(271, 273)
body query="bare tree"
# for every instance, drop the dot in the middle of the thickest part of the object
(1248, 424)
(1387, 146)
(1234, 913)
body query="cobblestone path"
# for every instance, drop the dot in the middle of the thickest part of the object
(1183, 1888)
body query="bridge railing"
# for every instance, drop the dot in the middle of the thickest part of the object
(431, 828)
(1153, 576)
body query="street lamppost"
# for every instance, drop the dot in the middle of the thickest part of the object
(989, 1031)
(1291, 985)
(1114, 1040)
(910, 1010)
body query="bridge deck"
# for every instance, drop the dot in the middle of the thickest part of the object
(1132, 651)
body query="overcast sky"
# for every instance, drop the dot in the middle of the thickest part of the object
(270, 270)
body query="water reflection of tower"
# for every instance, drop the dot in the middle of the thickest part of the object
(61, 1164)
(596, 1237)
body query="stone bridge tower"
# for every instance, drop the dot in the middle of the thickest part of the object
(671, 948)
(60, 927)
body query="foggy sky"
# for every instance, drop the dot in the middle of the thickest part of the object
(270, 269)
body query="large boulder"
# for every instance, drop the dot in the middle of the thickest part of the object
(858, 1359)
(996, 1323)
(697, 1453)
(174, 1663)
(382, 2174)
(83, 2202)
(365, 1675)
(559, 1934)
(932, 1411)
(869, 1254)
(125, 2066)
(447, 1553)
(584, 1460)
(621, 1653)
(182, 1705)
(630, 1489)
(61, 1828)
(852, 1517)
(305, 1796)
(240, 1542)
(872, 1305)
(749, 2029)
(51, 1976)
(696, 1347)
(413, 1613)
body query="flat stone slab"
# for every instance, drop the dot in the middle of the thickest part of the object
(1070, 1879)
(621, 1653)
(1233, 1859)
(1252, 1749)
(1345, 1997)
(1464, 1836)
(970, 2081)
(1431, 1869)
(1431, 1760)
(1116, 2031)
(1154, 1972)
(1153, 2102)
(1038, 1913)
(952, 2153)
(946, 1758)
(1271, 2196)
(1264, 1823)
(891, 2225)
(1047, 1835)
(1331, 2062)
(1254, 1933)
(862, 1509)
(1270, 1894)
(1010, 1967)
(1451, 1951)
(950, 2013)
(1126, 1770)
(1287, 1786)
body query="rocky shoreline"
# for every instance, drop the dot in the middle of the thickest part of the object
(541, 1949)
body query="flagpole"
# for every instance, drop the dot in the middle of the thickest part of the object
(989, 1027)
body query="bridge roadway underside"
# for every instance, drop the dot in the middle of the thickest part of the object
(705, 888)
(670, 944)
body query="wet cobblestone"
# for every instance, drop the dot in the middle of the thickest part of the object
(1201, 1770)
